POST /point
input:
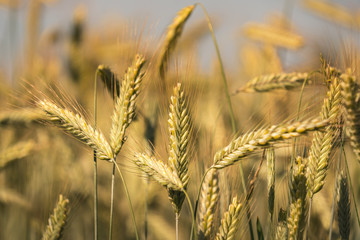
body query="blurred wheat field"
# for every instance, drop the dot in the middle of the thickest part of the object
(122, 134)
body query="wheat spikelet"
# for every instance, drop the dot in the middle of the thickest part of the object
(281, 228)
(159, 171)
(229, 222)
(110, 80)
(296, 219)
(124, 110)
(17, 151)
(173, 33)
(207, 202)
(75, 125)
(349, 89)
(248, 143)
(56, 220)
(271, 82)
(179, 132)
(343, 204)
(270, 159)
(274, 35)
(323, 141)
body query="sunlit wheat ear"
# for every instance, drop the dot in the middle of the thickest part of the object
(159, 171)
(351, 102)
(57, 220)
(322, 142)
(207, 203)
(173, 33)
(270, 159)
(229, 222)
(124, 110)
(110, 81)
(297, 217)
(75, 125)
(343, 205)
(254, 140)
(266, 83)
(179, 132)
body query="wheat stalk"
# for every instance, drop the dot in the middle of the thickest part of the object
(266, 83)
(229, 222)
(351, 102)
(343, 204)
(322, 142)
(173, 33)
(179, 132)
(75, 125)
(208, 200)
(56, 220)
(124, 110)
(270, 159)
(254, 140)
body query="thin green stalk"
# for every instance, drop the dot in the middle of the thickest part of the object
(228, 99)
(352, 190)
(95, 163)
(335, 187)
(192, 214)
(128, 198)
(112, 200)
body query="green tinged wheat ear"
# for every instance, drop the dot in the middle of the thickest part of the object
(173, 33)
(229, 222)
(57, 220)
(124, 110)
(110, 80)
(208, 200)
(266, 83)
(297, 217)
(254, 140)
(75, 125)
(343, 205)
(270, 159)
(322, 142)
(179, 134)
(349, 91)
(281, 228)
(159, 171)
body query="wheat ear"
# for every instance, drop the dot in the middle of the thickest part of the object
(343, 204)
(297, 217)
(351, 102)
(57, 220)
(208, 200)
(254, 140)
(110, 80)
(270, 160)
(159, 171)
(75, 125)
(266, 83)
(17, 151)
(229, 222)
(173, 33)
(281, 228)
(322, 142)
(179, 132)
(124, 110)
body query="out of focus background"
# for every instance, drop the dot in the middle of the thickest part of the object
(59, 44)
